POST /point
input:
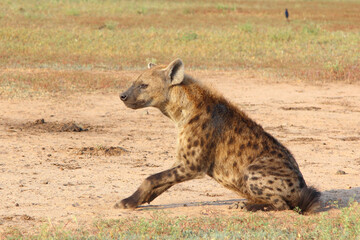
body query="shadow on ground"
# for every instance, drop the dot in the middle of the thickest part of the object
(190, 204)
(337, 198)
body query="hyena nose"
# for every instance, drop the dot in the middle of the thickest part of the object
(123, 97)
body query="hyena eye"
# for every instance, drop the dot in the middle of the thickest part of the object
(143, 86)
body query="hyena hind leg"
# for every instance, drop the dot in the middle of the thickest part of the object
(276, 203)
(251, 207)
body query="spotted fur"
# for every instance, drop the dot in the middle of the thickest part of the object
(219, 140)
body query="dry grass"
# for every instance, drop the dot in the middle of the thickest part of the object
(320, 42)
(44, 82)
(344, 224)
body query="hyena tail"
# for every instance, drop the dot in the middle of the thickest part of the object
(309, 200)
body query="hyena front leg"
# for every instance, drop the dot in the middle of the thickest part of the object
(156, 184)
(157, 191)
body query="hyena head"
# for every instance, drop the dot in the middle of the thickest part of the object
(151, 88)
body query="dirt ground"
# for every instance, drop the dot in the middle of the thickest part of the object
(69, 159)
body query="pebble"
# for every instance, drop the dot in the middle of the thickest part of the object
(340, 172)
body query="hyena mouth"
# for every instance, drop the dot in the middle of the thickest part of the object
(138, 104)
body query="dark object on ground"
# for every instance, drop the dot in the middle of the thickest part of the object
(41, 124)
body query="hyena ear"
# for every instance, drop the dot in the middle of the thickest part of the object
(150, 65)
(174, 72)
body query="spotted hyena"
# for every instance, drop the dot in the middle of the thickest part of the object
(219, 140)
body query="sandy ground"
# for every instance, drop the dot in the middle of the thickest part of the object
(49, 174)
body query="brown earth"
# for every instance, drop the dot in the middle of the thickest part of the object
(51, 172)
(41, 126)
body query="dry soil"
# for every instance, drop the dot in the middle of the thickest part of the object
(69, 159)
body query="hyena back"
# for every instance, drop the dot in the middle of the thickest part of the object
(217, 139)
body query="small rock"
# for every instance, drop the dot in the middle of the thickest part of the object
(72, 127)
(39, 121)
(68, 184)
(340, 172)
(27, 217)
(16, 204)
(8, 218)
(49, 155)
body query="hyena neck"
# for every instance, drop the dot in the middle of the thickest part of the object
(182, 99)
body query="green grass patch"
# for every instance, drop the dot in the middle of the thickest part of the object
(188, 36)
(205, 34)
(216, 48)
(224, 7)
(343, 225)
(73, 12)
(111, 25)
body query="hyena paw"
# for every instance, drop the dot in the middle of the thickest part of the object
(238, 205)
(127, 203)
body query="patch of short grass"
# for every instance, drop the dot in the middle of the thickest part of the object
(206, 34)
(343, 225)
(111, 25)
(73, 12)
(38, 83)
(287, 48)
